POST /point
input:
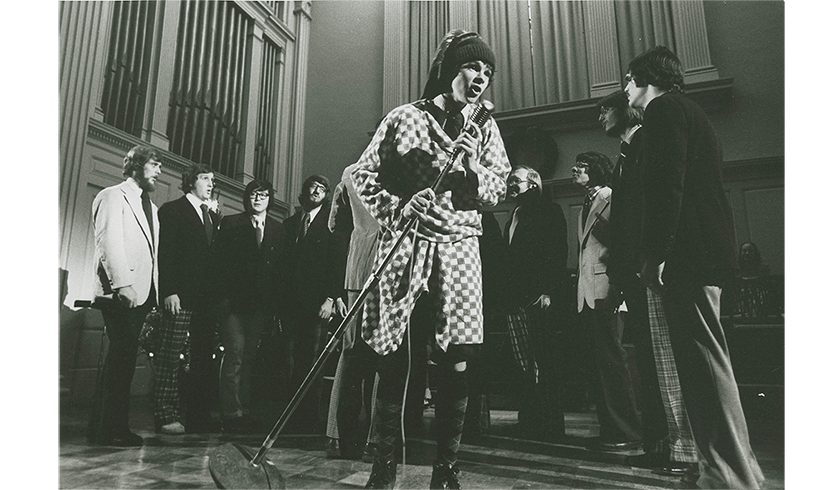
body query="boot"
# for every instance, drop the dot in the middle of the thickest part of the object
(445, 475)
(383, 474)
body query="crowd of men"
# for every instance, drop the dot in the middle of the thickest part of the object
(655, 237)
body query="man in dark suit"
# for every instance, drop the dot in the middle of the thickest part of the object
(667, 441)
(311, 283)
(187, 228)
(536, 260)
(246, 260)
(125, 231)
(688, 252)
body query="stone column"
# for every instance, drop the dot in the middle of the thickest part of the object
(692, 41)
(162, 73)
(395, 82)
(602, 48)
(302, 21)
(253, 70)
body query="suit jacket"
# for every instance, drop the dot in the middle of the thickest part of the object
(126, 250)
(185, 267)
(311, 267)
(536, 257)
(593, 282)
(245, 274)
(688, 221)
(626, 216)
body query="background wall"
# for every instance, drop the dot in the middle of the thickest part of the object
(746, 42)
(344, 90)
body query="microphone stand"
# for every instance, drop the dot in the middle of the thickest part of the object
(479, 116)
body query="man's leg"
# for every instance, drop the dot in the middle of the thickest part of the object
(167, 363)
(111, 406)
(682, 447)
(711, 393)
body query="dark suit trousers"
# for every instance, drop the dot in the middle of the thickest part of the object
(307, 334)
(109, 415)
(615, 399)
(541, 408)
(654, 423)
(709, 388)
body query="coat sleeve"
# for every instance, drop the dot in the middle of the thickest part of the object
(666, 144)
(169, 252)
(109, 208)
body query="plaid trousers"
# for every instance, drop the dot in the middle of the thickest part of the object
(679, 432)
(167, 402)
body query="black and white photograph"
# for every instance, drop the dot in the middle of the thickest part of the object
(487, 244)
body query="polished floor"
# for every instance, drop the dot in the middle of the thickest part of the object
(497, 459)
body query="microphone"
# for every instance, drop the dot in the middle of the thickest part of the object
(479, 116)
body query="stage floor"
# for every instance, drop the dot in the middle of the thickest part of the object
(499, 459)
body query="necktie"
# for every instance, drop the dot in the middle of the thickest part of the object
(147, 210)
(625, 149)
(453, 123)
(587, 205)
(258, 225)
(208, 223)
(304, 226)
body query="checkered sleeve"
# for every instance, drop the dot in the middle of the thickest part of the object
(382, 205)
(494, 166)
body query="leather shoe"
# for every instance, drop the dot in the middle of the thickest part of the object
(445, 476)
(128, 439)
(676, 468)
(618, 445)
(333, 449)
(383, 474)
(175, 428)
(369, 453)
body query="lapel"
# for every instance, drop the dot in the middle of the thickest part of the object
(136, 205)
(599, 204)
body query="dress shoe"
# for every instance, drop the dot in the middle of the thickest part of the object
(333, 449)
(618, 445)
(676, 468)
(383, 474)
(650, 461)
(175, 428)
(127, 439)
(444, 475)
(369, 453)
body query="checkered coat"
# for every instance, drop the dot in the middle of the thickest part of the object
(405, 156)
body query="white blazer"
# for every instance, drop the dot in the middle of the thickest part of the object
(125, 248)
(593, 282)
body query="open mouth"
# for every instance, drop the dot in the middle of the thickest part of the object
(473, 92)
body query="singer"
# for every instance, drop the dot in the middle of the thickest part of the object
(432, 288)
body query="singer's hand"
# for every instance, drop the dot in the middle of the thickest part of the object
(468, 142)
(419, 204)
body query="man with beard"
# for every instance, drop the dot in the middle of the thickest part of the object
(311, 282)
(668, 445)
(125, 231)
(187, 229)
(536, 261)
(688, 253)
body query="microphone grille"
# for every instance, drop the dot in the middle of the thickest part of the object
(482, 113)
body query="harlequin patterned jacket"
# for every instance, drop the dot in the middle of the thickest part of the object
(405, 156)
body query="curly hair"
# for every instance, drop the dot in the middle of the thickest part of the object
(137, 158)
(190, 175)
(599, 167)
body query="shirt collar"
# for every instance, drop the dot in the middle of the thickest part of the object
(257, 220)
(135, 187)
(631, 133)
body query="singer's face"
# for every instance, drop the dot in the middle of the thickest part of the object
(203, 186)
(472, 80)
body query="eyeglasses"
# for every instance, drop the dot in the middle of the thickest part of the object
(517, 181)
(580, 165)
(606, 110)
(259, 196)
(629, 78)
(317, 187)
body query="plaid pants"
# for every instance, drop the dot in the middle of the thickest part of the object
(679, 432)
(167, 401)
